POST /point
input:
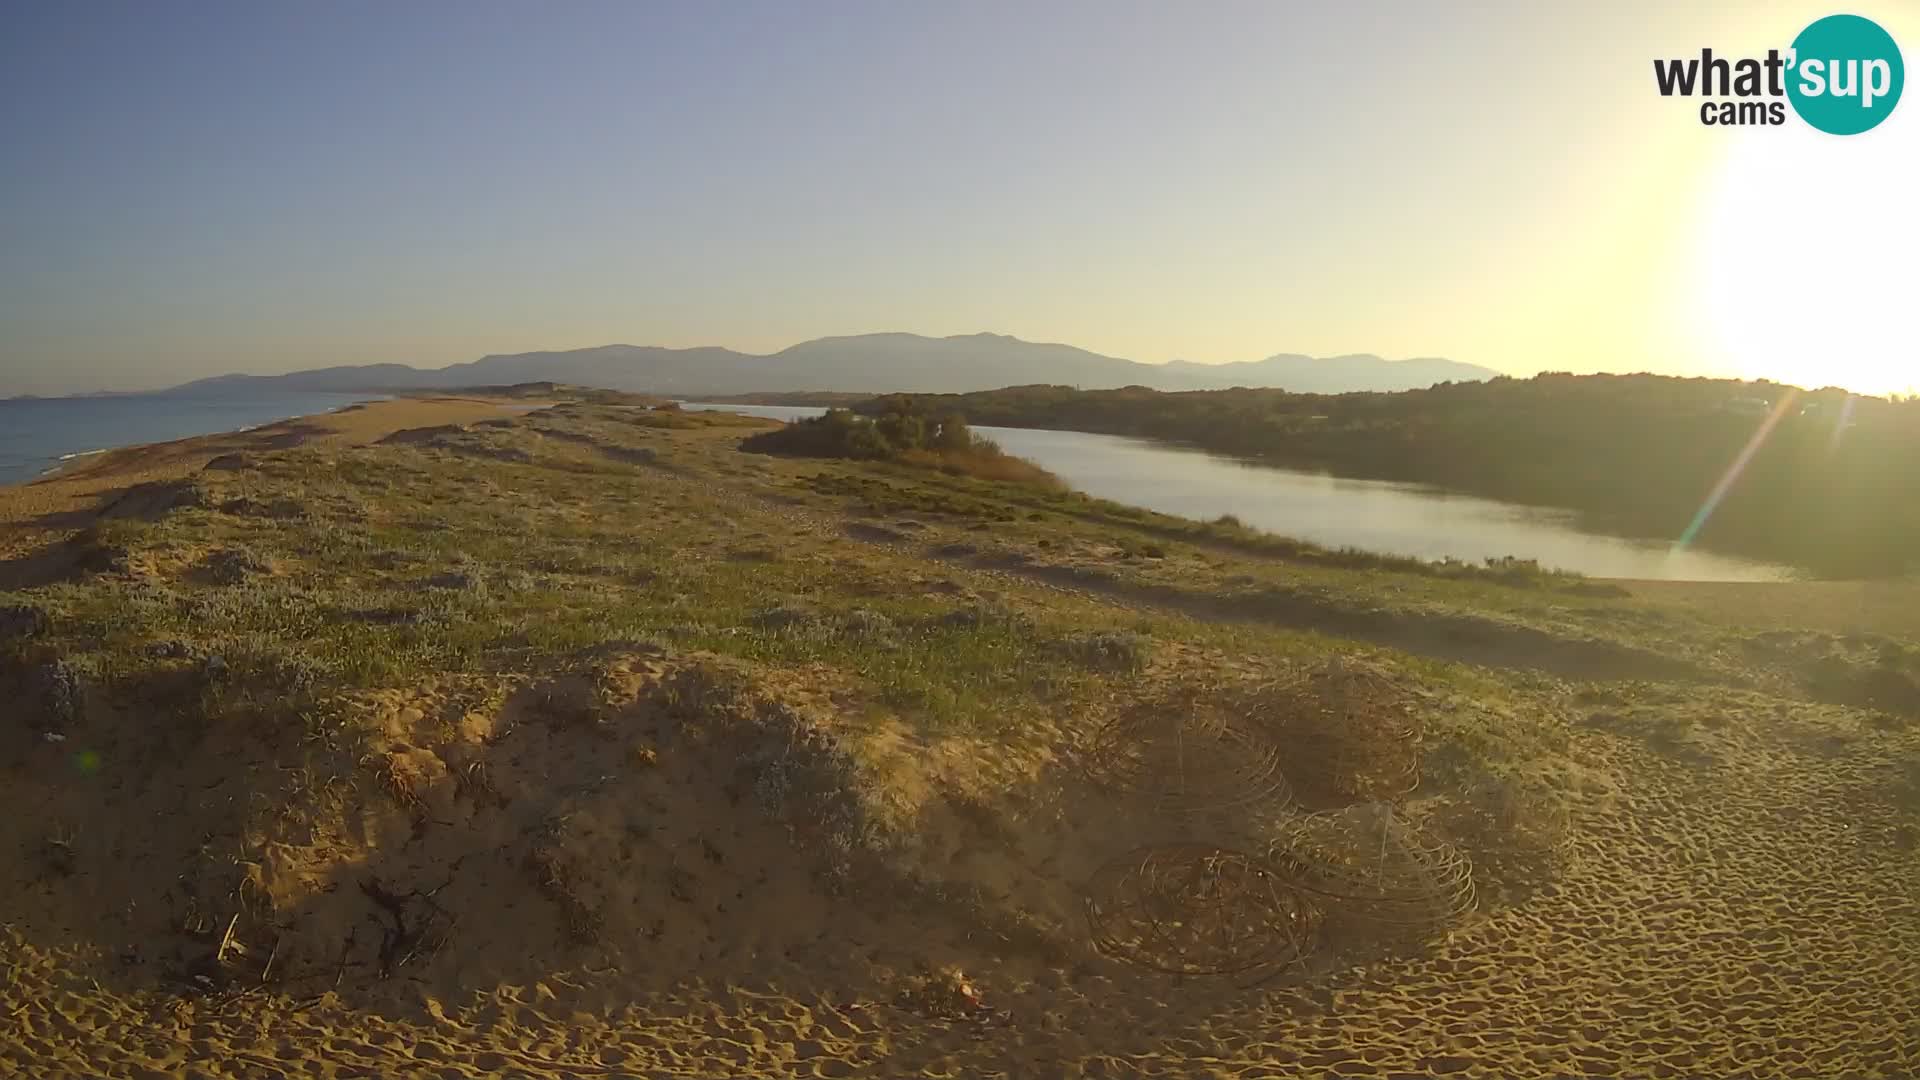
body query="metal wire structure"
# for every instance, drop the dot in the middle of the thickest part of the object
(1179, 758)
(1196, 909)
(1375, 871)
(1509, 818)
(1349, 733)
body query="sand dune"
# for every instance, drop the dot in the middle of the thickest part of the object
(637, 856)
(1741, 914)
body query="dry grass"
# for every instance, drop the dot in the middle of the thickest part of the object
(985, 462)
(504, 710)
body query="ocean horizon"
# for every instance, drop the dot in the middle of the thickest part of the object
(38, 436)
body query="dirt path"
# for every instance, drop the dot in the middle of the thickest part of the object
(1466, 639)
(1456, 638)
(1845, 607)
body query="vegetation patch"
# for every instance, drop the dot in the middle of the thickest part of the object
(425, 718)
(944, 443)
(1631, 453)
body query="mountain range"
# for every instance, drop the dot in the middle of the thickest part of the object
(876, 363)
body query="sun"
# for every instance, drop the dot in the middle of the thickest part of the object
(1806, 257)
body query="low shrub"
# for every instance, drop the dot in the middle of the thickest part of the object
(944, 443)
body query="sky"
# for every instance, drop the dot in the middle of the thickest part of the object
(200, 188)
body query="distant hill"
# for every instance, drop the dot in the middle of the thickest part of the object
(1326, 375)
(864, 363)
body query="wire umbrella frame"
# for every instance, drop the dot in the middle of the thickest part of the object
(1184, 760)
(1349, 731)
(1372, 867)
(1196, 909)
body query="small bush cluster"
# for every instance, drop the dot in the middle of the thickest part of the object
(59, 686)
(22, 621)
(1108, 650)
(231, 566)
(943, 442)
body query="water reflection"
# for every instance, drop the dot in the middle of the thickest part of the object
(1373, 515)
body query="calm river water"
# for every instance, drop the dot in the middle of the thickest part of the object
(1373, 515)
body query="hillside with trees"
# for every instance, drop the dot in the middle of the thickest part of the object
(1831, 487)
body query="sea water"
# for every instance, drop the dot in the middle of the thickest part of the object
(39, 435)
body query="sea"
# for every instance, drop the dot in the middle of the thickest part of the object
(40, 435)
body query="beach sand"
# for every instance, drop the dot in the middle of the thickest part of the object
(1731, 909)
(565, 883)
(68, 499)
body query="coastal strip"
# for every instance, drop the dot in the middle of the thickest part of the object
(68, 498)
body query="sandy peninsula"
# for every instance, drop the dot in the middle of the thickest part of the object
(65, 497)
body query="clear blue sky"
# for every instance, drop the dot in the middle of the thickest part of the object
(197, 188)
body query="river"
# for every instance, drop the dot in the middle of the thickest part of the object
(1372, 515)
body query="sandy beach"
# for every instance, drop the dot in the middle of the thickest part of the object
(582, 744)
(66, 499)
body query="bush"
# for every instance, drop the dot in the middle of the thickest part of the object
(1107, 650)
(22, 621)
(946, 444)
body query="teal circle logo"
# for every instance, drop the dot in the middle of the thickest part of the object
(1845, 75)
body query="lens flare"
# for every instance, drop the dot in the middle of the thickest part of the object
(1734, 470)
(1841, 423)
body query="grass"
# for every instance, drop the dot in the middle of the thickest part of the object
(889, 491)
(512, 548)
(415, 562)
(868, 648)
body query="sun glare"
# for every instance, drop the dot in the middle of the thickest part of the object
(1804, 263)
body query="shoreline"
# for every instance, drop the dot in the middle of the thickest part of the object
(1588, 549)
(36, 511)
(71, 495)
(56, 464)
(60, 463)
